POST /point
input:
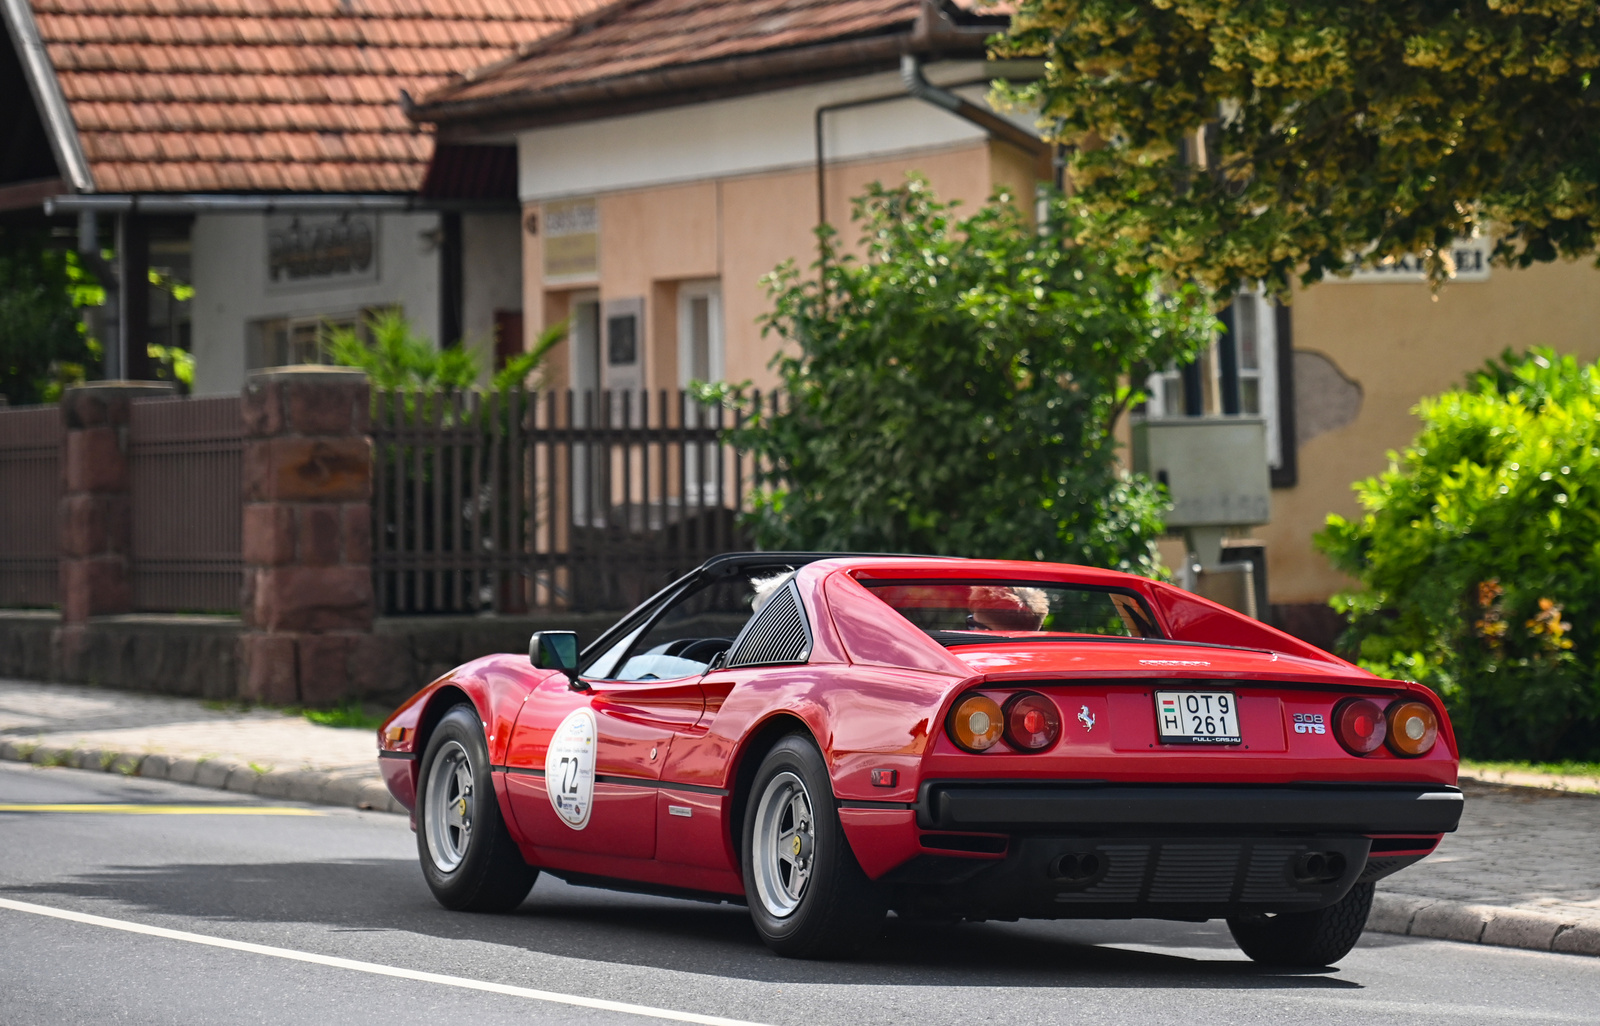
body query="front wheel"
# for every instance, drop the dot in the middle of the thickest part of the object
(808, 896)
(468, 857)
(1314, 938)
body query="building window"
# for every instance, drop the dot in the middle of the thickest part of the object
(699, 332)
(1243, 374)
(287, 341)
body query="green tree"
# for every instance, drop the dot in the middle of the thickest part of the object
(43, 344)
(1476, 558)
(1254, 140)
(955, 390)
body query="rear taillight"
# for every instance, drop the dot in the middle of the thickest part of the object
(1359, 725)
(976, 723)
(1033, 723)
(1413, 728)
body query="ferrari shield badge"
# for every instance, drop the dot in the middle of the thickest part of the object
(569, 768)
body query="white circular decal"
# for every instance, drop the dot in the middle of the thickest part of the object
(569, 768)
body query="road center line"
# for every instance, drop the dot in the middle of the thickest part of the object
(373, 968)
(165, 810)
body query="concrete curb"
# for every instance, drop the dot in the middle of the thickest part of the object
(315, 786)
(1412, 916)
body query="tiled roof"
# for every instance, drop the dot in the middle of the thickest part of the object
(270, 95)
(636, 37)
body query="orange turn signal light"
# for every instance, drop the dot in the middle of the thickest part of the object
(976, 723)
(1413, 728)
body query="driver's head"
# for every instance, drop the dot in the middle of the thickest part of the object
(999, 607)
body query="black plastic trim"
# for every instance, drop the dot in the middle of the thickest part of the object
(384, 753)
(1013, 806)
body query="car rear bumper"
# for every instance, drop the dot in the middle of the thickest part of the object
(1029, 808)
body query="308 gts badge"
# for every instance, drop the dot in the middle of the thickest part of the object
(1309, 723)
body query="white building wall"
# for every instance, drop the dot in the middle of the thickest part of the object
(748, 135)
(491, 269)
(232, 289)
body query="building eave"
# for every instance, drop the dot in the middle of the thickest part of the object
(59, 125)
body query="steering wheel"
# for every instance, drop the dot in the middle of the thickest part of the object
(699, 650)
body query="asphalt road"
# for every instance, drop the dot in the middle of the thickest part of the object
(290, 897)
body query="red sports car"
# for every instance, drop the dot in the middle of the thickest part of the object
(830, 737)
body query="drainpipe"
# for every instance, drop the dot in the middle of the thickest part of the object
(996, 126)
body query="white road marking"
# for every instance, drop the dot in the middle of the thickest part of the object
(374, 968)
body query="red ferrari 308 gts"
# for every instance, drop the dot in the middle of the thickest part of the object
(830, 737)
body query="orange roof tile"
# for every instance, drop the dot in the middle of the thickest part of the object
(269, 95)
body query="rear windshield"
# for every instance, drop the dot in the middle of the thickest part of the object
(971, 612)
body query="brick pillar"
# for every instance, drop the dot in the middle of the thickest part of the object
(96, 504)
(307, 535)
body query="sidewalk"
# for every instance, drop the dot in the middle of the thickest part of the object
(1522, 871)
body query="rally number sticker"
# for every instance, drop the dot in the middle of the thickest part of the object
(569, 768)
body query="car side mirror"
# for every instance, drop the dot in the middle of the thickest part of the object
(555, 650)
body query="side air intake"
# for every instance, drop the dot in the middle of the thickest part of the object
(777, 636)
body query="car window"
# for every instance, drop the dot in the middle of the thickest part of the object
(691, 630)
(1016, 607)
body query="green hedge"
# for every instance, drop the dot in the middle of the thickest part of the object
(1479, 558)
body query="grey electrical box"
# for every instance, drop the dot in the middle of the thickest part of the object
(1214, 467)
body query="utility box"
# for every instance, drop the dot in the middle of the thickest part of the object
(1214, 467)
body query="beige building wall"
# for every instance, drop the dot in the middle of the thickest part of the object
(1396, 343)
(734, 230)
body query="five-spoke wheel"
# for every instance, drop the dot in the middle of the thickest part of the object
(808, 896)
(468, 857)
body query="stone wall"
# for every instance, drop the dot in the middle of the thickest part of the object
(199, 656)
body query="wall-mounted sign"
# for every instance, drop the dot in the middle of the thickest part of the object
(571, 240)
(1471, 257)
(320, 250)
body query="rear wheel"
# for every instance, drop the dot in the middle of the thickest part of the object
(808, 896)
(1306, 938)
(468, 857)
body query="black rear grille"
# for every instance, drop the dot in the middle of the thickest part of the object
(1194, 872)
(777, 636)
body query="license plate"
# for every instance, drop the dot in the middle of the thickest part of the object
(1197, 718)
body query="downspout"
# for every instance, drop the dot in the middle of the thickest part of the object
(918, 86)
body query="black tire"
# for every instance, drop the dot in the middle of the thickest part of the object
(469, 860)
(1306, 938)
(835, 910)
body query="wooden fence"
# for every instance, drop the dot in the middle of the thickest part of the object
(507, 501)
(184, 464)
(30, 492)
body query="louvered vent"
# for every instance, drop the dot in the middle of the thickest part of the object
(777, 635)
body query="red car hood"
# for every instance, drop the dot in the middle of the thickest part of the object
(1088, 658)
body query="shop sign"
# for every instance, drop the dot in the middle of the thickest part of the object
(1471, 258)
(571, 240)
(321, 250)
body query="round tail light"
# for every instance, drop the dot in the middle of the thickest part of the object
(1359, 725)
(976, 723)
(1413, 728)
(1033, 723)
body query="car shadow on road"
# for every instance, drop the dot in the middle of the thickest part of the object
(381, 895)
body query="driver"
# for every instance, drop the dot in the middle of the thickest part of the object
(1000, 607)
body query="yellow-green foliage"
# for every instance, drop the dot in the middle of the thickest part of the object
(1333, 128)
(1479, 558)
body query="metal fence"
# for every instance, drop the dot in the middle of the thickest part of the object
(184, 462)
(505, 501)
(30, 494)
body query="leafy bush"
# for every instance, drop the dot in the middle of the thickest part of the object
(43, 344)
(396, 356)
(1479, 558)
(955, 390)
